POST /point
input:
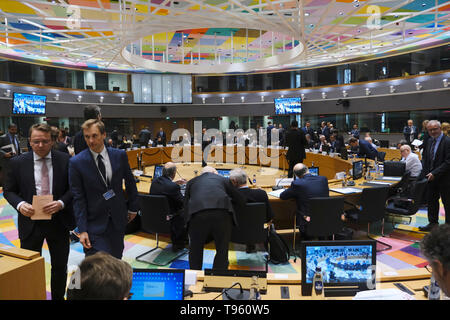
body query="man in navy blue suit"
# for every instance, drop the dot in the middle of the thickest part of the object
(303, 188)
(410, 132)
(100, 208)
(365, 149)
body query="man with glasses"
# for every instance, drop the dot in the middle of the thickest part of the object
(41, 172)
(436, 168)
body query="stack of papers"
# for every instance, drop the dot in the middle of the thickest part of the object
(346, 190)
(276, 193)
(383, 294)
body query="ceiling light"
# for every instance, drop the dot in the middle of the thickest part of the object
(242, 99)
(262, 98)
(223, 99)
(7, 93)
(79, 98)
(344, 93)
(445, 83)
(368, 92)
(122, 100)
(418, 86)
(302, 96)
(101, 99)
(324, 95)
(392, 89)
(56, 97)
(203, 100)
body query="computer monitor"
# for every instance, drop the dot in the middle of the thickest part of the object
(357, 169)
(224, 172)
(348, 266)
(314, 171)
(158, 171)
(158, 284)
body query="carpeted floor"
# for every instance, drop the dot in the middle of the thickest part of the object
(405, 253)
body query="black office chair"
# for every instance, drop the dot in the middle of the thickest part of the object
(155, 219)
(250, 225)
(394, 168)
(384, 143)
(371, 209)
(401, 206)
(325, 216)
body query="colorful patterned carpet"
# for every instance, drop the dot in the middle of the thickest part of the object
(405, 253)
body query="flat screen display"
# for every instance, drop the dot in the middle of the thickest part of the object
(28, 104)
(288, 105)
(357, 169)
(224, 172)
(157, 284)
(158, 171)
(314, 171)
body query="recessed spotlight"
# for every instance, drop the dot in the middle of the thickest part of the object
(324, 95)
(418, 86)
(368, 92)
(101, 99)
(79, 98)
(262, 98)
(203, 99)
(344, 93)
(445, 83)
(223, 99)
(56, 97)
(392, 89)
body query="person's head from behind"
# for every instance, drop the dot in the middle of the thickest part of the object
(368, 139)
(208, 169)
(238, 177)
(353, 142)
(294, 124)
(435, 246)
(169, 170)
(92, 111)
(102, 277)
(405, 150)
(94, 133)
(41, 139)
(300, 170)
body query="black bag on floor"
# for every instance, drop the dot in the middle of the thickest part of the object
(278, 248)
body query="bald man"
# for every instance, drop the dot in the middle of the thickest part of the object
(166, 186)
(304, 187)
(209, 213)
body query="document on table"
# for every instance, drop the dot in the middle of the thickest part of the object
(389, 178)
(346, 190)
(38, 205)
(276, 193)
(383, 294)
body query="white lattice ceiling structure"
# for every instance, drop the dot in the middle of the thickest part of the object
(216, 36)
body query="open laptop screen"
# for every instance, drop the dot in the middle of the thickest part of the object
(158, 171)
(158, 284)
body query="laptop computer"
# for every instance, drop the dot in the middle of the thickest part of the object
(224, 172)
(158, 284)
(158, 171)
(314, 171)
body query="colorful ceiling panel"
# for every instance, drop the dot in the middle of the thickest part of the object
(131, 35)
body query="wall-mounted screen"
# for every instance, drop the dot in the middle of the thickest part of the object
(288, 105)
(28, 104)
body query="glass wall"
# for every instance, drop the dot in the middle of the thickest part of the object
(431, 60)
(26, 73)
(162, 88)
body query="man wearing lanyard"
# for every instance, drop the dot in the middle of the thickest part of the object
(96, 175)
(436, 169)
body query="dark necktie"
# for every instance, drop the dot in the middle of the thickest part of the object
(101, 167)
(432, 154)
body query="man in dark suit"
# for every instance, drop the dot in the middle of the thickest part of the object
(239, 178)
(209, 212)
(144, 136)
(165, 186)
(160, 137)
(436, 168)
(269, 129)
(365, 149)
(410, 132)
(43, 172)
(101, 210)
(355, 131)
(9, 148)
(305, 187)
(90, 112)
(296, 142)
(308, 130)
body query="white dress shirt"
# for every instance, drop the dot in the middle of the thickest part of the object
(413, 165)
(106, 161)
(37, 175)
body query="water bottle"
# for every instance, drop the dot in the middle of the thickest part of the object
(254, 179)
(254, 289)
(317, 287)
(434, 290)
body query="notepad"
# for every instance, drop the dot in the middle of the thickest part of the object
(346, 190)
(276, 193)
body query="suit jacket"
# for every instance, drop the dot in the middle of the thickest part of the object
(163, 138)
(91, 210)
(366, 150)
(407, 133)
(4, 141)
(21, 186)
(440, 168)
(355, 133)
(166, 187)
(258, 195)
(304, 189)
(79, 143)
(296, 141)
(211, 191)
(144, 136)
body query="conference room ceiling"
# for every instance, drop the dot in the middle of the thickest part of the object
(216, 36)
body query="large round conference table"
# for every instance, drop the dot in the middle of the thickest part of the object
(265, 164)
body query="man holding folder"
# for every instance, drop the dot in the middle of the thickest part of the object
(37, 186)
